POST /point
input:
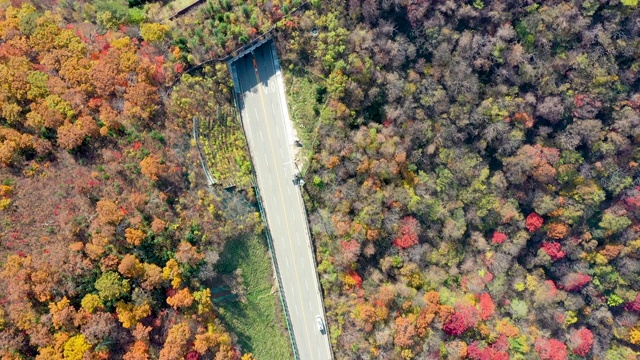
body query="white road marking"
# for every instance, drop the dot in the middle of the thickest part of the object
(269, 86)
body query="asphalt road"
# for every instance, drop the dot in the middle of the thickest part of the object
(264, 114)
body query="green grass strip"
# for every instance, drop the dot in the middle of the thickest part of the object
(259, 323)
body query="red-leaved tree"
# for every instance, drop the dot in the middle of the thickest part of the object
(355, 278)
(551, 349)
(551, 286)
(465, 317)
(634, 305)
(488, 353)
(580, 341)
(192, 355)
(350, 250)
(498, 237)
(534, 222)
(408, 233)
(575, 281)
(553, 249)
(486, 305)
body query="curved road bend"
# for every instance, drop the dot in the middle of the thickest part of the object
(264, 113)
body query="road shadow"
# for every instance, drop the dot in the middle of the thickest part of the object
(257, 65)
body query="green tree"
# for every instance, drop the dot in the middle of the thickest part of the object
(111, 286)
(613, 223)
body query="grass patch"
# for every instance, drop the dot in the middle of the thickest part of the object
(259, 323)
(303, 95)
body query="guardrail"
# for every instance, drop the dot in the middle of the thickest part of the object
(269, 241)
(274, 260)
(304, 208)
(196, 136)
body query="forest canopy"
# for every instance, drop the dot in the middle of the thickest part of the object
(472, 180)
(109, 240)
(473, 192)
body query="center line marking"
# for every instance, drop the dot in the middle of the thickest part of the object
(286, 219)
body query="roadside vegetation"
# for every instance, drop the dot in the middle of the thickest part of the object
(207, 96)
(305, 100)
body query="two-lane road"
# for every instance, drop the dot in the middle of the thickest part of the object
(264, 116)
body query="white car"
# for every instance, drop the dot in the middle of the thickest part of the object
(320, 324)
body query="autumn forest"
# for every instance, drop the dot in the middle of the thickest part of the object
(471, 176)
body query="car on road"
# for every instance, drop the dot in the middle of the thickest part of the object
(320, 324)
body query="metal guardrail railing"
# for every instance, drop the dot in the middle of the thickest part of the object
(196, 137)
(274, 262)
(268, 235)
(263, 215)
